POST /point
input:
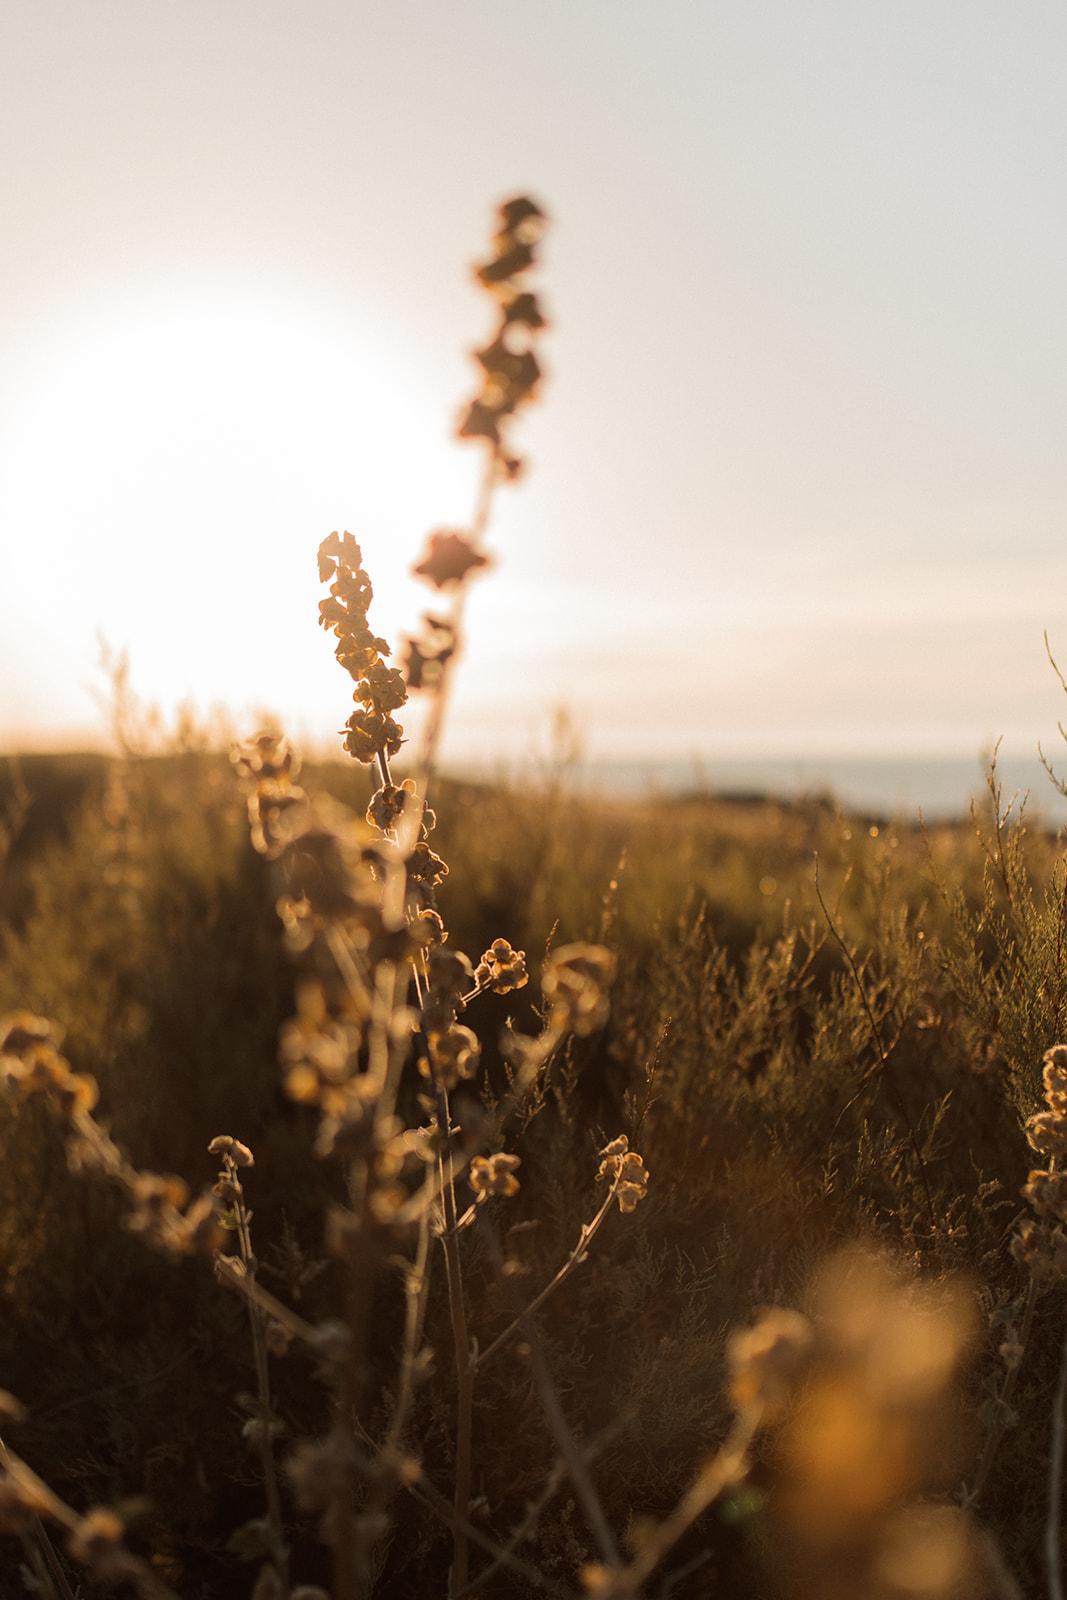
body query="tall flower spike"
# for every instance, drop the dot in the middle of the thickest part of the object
(510, 369)
(371, 733)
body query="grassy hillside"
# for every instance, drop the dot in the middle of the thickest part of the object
(742, 1058)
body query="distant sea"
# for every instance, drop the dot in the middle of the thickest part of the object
(938, 786)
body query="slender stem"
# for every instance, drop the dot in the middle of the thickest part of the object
(378, 1052)
(279, 1549)
(568, 1449)
(431, 1497)
(416, 1288)
(345, 965)
(1055, 1486)
(461, 1354)
(439, 704)
(227, 1274)
(349, 1550)
(566, 1443)
(556, 1478)
(576, 1257)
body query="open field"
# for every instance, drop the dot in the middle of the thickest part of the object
(738, 1057)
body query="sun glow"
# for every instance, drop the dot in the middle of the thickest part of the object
(172, 466)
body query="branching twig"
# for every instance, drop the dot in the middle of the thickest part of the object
(575, 1259)
(557, 1422)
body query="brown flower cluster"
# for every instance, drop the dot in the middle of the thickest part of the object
(271, 768)
(371, 731)
(509, 376)
(501, 968)
(30, 1064)
(454, 1053)
(232, 1151)
(450, 558)
(494, 1175)
(1042, 1246)
(625, 1170)
(334, 870)
(510, 369)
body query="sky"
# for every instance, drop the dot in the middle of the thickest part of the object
(798, 481)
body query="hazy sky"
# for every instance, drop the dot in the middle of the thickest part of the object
(799, 480)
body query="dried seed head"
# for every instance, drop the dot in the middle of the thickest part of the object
(371, 731)
(1012, 1350)
(449, 560)
(1047, 1194)
(626, 1170)
(494, 1175)
(320, 1469)
(1047, 1133)
(232, 1150)
(1054, 1076)
(388, 803)
(501, 968)
(510, 370)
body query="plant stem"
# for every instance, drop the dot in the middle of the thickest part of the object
(576, 1257)
(1055, 1486)
(566, 1443)
(417, 1284)
(279, 1549)
(461, 1354)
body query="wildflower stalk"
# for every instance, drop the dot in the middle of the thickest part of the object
(431, 733)
(231, 1191)
(573, 1456)
(232, 1277)
(1055, 1484)
(362, 1263)
(416, 1287)
(460, 1350)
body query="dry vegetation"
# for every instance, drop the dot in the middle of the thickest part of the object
(338, 1263)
